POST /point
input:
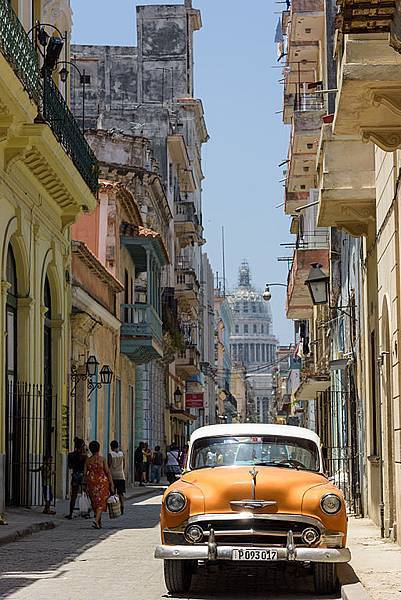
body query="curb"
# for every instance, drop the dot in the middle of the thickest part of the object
(142, 492)
(351, 587)
(17, 534)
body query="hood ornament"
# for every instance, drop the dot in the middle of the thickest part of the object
(253, 474)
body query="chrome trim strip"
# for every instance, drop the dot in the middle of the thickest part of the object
(322, 555)
(244, 532)
(246, 515)
(251, 504)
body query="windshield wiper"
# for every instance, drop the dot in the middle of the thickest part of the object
(283, 465)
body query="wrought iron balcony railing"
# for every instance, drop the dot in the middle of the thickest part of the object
(18, 50)
(68, 133)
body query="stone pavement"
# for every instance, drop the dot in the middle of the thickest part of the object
(74, 561)
(376, 562)
(23, 521)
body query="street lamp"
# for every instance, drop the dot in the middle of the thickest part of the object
(82, 77)
(318, 285)
(91, 370)
(177, 396)
(267, 295)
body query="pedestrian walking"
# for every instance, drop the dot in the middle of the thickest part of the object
(98, 481)
(116, 463)
(184, 456)
(172, 463)
(147, 457)
(76, 463)
(157, 463)
(138, 460)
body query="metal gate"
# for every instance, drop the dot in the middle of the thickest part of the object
(342, 466)
(31, 436)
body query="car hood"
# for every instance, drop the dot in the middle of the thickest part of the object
(284, 488)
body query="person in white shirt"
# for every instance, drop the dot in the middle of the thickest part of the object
(116, 463)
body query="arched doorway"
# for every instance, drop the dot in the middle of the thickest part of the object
(388, 420)
(12, 417)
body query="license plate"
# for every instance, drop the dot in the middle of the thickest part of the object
(254, 554)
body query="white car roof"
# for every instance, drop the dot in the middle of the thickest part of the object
(254, 429)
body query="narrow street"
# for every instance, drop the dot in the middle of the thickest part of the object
(74, 561)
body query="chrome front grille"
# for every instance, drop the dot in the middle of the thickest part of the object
(261, 530)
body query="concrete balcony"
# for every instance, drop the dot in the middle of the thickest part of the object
(369, 96)
(141, 333)
(299, 303)
(187, 362)
(359, 16)
(305, 133)
(187, 285)
(293, 200)
(306, 23)
(186, 221)
(346, 177)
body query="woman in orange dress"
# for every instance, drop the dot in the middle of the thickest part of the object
(98, 481)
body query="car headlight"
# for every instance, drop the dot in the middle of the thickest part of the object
(175, 502)
(331, 504)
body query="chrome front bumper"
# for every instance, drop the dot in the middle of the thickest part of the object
(212, 551)
(326, 555)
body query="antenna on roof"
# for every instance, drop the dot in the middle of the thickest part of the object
(224, 262)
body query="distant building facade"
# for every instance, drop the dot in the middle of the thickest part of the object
(253, 342)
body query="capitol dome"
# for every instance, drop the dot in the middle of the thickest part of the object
(252, 341)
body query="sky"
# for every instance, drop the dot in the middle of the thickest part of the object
(237, 78)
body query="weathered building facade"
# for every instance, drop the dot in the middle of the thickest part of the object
(341, 75)
(146, 93)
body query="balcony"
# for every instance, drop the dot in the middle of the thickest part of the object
(187, 285)
(306, 23)
(186, 221)
(368, 102)
(346, 175)
(141, 333)
(188, 362)
(299, 303)
(31, 103)
(305, 133)
(359, 16)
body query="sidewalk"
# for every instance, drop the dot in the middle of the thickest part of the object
(24, 521)
(376, 563)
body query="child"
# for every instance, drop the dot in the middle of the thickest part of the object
(47, 487)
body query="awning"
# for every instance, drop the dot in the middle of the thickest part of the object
(310, 387)
(182, 415)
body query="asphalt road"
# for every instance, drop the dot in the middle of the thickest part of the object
(74, 562)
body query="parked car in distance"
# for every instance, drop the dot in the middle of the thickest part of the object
(255, 493)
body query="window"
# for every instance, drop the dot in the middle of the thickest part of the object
(263, 353)
(254, 307)
(245, 307)
(237, 329)
(246, 328)
(252, 353)
(262, 451)
(257, 353)
(262, 328)
(255, 328)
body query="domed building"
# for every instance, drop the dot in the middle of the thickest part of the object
(253, 343)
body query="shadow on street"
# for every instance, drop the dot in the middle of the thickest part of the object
(39, 556)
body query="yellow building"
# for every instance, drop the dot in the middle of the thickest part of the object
(47, 177)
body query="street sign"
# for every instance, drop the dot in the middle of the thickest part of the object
(194, 400)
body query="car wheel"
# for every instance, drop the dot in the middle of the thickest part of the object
(325, 578)
(178, 575)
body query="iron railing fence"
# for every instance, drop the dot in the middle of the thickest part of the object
(342, 466)
(31, 434)
(20, 53)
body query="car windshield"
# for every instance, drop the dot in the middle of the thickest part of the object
(268, 450)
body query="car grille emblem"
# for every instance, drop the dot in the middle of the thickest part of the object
(253, 474)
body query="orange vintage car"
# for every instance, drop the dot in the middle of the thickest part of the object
(253, 493)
